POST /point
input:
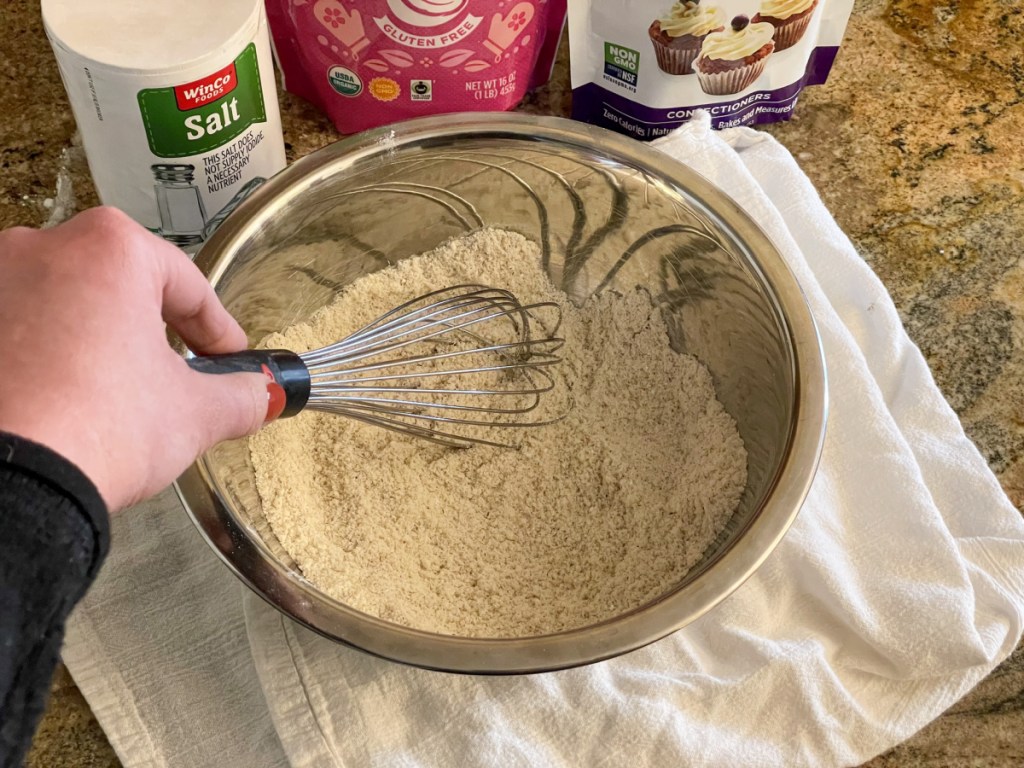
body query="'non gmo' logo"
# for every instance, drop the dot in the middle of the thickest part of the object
(344, 81)
(621, 64)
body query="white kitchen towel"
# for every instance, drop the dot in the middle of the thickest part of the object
(899, 587)
(159, 649)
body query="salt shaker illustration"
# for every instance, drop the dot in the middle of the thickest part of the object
(218, 218)
(182, 213)
(346, 25)
(504, 30)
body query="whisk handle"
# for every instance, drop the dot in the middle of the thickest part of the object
(284, 367)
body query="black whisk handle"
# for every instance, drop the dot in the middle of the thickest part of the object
(284, 368)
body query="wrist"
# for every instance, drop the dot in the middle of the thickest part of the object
(47, 467)
(72, 444)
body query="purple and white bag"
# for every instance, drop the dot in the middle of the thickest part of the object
(643, 67)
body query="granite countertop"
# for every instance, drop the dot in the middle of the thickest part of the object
(914, 144)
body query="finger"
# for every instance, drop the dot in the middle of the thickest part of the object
(191, 307)
(228, 406)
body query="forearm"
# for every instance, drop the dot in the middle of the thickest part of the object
(53, 536)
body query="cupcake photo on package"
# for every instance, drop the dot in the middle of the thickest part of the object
(730, 61)
(645, 67)
(789, 17)
(677, 36)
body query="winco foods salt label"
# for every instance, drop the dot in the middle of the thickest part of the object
(178, 150)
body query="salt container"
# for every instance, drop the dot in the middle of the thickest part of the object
(176, 104)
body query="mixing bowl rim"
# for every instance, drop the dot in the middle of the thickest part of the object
(290, 593)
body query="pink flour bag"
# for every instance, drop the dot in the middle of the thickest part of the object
(372, 62)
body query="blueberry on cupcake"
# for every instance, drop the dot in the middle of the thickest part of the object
(731, 60)
(678, 35)
(789, 17)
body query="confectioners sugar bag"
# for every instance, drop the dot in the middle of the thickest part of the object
(372, 62)
(643, 67)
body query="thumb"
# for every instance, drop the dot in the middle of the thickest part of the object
(232, 405)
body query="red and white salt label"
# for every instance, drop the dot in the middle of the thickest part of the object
(207, 89)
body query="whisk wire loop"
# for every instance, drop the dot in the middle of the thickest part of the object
(486, 352)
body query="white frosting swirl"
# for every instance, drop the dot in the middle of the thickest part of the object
(783, 9)
(732, 45)
(689, 18)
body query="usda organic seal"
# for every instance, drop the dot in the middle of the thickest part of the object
(345, 81)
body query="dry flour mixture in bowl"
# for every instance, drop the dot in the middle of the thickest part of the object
(692, 385)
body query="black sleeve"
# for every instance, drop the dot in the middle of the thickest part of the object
(54, 533)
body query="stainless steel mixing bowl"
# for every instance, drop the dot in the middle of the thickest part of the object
(608, 212)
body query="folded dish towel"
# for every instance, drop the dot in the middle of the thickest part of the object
(899, 587)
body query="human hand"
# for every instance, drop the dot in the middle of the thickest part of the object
(87, 370)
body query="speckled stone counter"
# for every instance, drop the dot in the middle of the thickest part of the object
(915, 145)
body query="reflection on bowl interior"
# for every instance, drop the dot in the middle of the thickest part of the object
(601, 226)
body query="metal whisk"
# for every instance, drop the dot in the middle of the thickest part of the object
(439, 367)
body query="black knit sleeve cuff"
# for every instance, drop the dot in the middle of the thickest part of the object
(61, 476)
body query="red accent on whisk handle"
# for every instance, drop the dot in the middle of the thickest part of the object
(286, 368)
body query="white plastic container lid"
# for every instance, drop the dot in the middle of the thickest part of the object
(150, 36)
